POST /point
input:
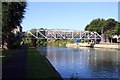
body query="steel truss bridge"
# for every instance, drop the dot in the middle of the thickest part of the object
(61, 34)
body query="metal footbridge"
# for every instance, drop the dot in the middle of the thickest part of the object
(61, 34)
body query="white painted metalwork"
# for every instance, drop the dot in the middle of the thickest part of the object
(63, 34)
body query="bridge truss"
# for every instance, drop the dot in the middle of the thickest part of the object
(61, 34)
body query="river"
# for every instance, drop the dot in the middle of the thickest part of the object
(83, 62)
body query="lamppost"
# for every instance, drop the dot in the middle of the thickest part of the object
(102, 35)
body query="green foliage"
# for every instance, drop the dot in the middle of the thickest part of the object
(12, 15)
(82, 41)
(26, 41)
(110, 26)
(95, 25)
(59, 42)
(41, 42)
(36, 42)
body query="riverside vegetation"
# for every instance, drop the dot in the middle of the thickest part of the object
(59, 42)
(110, 26)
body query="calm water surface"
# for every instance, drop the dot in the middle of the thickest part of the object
(83, 62)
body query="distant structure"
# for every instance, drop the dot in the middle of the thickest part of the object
(64, 34)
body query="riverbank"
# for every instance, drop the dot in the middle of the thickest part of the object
(59, 42)
(39, 67)
(101, 45)
(27, 63)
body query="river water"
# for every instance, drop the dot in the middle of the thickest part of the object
(83, 62)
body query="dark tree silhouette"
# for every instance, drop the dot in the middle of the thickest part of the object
(12, 15)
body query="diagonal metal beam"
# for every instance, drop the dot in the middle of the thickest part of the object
(42, 34)
(32, 34)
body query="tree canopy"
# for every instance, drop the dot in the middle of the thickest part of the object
(12, 15)
(110, 26)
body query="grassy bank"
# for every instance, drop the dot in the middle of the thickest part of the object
(59, 42)
(38, 67)
(7, 54)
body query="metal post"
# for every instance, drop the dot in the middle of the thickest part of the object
(102, 35)
(95, 37)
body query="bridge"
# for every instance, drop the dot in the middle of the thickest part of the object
(61, 34)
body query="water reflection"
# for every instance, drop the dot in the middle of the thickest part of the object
(84, 62)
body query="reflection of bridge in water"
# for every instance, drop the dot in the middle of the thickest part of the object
(62, 34)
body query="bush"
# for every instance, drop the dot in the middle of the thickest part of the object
(82, 41)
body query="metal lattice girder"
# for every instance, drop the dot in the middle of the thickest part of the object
(64, 34)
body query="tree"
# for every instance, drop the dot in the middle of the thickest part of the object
(12, 15)
(110, 26)
(95, 25)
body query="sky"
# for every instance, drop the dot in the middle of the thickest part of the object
(66, 15)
